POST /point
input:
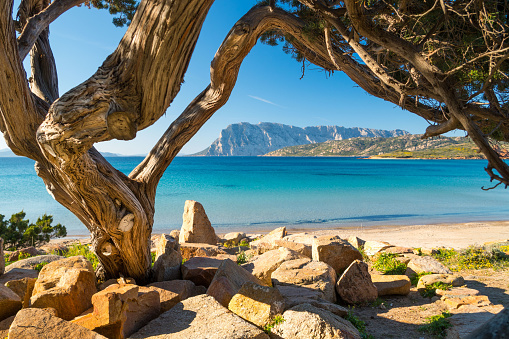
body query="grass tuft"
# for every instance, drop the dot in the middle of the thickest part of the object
(387, 263)
(437, 325)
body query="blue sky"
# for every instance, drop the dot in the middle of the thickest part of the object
(269, 88)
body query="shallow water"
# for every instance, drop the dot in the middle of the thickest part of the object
(258, 193)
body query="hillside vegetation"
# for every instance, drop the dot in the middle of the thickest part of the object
(408, 146)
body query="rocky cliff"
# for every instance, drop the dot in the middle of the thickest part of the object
(245, 139)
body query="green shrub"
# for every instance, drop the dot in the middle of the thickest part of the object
(84, 250)
(437, 325)
(358, 324)
(491, 256)
(18, 232)
(39, 266)
(244, 243)
(241, 258)
(387, 263)
(414, 279)
(430, 290)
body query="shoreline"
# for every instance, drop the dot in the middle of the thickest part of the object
(455, 235)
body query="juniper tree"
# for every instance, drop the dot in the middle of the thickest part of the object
(445, 61)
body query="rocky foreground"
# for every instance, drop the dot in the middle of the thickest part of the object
(234, 286)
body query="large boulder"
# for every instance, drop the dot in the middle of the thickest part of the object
(305, 250)
(23, 288)
(200, 270)
(23, 253)
(355, 285)
(306, 321)
(31, 263)
(36, 323)
(257, 304)
(190, 250)
(391, 284)
(430, 279)
(18, 273)
(200, 317)
(2, 261)
(335, 251)
(168, 259)
(372, 247)
(174, 291)
(4, 327)
(314, 275)
(10, 302)
(263, 265)
(268, 241)
(109, 313)
(142, 309)
(425, 264)
(196, 227)
(66, 285)
(228, 280)
(234, 238)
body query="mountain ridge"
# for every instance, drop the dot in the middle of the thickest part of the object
(246, 139)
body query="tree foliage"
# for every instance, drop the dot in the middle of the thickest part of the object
(18, 232)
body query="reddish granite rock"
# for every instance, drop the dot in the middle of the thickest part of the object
(196, 227)
(355, 285)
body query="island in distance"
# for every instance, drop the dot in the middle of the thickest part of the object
(245, 139)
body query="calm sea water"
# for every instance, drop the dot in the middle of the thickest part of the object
(258, 193)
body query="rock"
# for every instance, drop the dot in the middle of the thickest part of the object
(234, 251)
(200, 270)
(398, 250)
(391, 284)
(37, 323)
(234, 238)
(109, 311)
(196, 227)
(200, 317)
(306, 321)
(373, 247)
(295, 295)
(23, 288)
(310, 274)
(479, 322)
(228, 280)
(267, 242)
(257, 304)
(301, 238)
(430, 279)
(18, 273)
(459, 296)
(142, 310)
(173, 292)
(23, 253)
(356, 242)
(175, 234)
(168, 259)
(66, 285)
(425, 264)
(335, 251)
(54, 248)
(355, 285)
(30, 263)
(110, 282)
(189, 250)
(428, 251)
(2, 261)
(302, 249)
(4, 326)
(263, 265)
(10, 302)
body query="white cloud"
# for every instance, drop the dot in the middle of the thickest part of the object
(265, 100)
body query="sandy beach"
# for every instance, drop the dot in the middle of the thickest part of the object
(455, 235)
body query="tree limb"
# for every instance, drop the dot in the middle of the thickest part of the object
(38, 23)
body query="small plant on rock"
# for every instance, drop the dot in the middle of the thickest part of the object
(39, 266)
(430, 290)
(84, 250)
(414, 279)
(387, 263)
(244, 243)
(278, 319)
(437, 325)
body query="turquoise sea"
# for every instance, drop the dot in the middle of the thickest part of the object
(261, 193)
